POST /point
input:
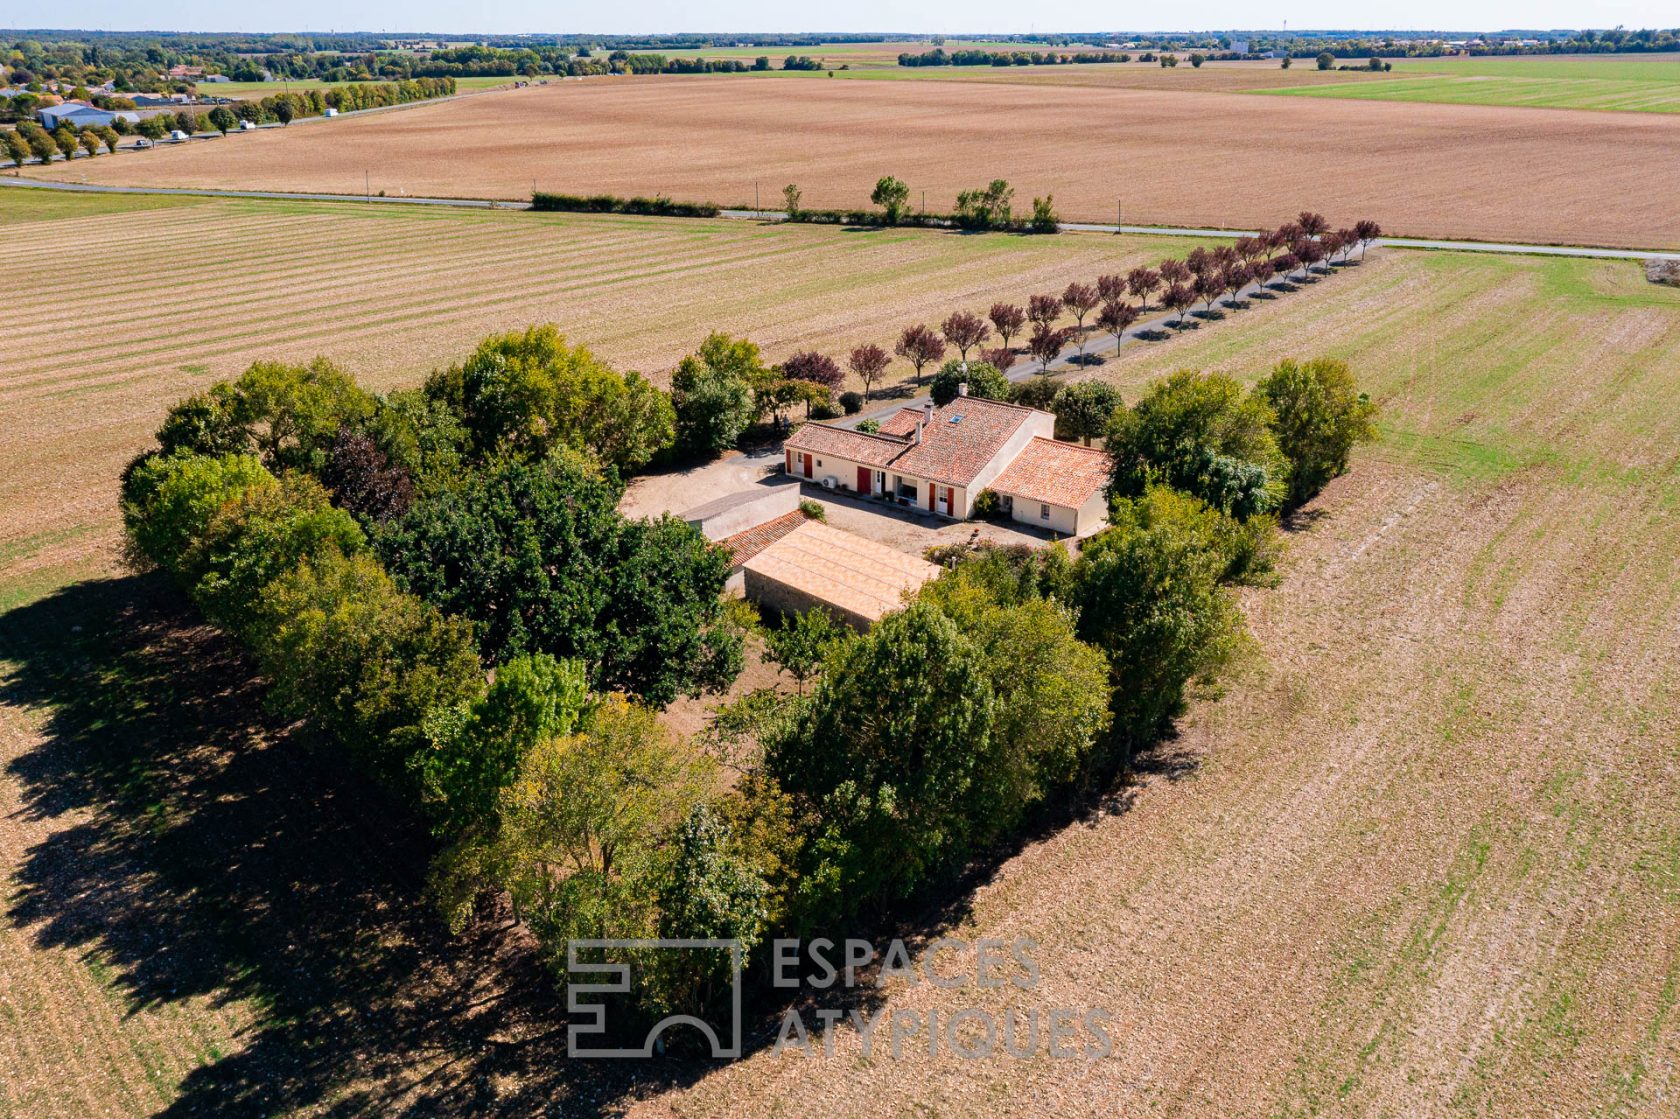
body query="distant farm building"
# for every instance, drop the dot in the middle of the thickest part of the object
(79, 114)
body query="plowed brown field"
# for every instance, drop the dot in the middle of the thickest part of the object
(1167, 157)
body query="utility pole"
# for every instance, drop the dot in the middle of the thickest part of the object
(367, 186)
(757, 208)
(1117, 216)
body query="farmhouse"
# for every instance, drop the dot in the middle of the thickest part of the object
(940, 460)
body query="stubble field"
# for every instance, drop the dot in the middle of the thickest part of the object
(1165, 156)
(1422, 858)
(393, 292)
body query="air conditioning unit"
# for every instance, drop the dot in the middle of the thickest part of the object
(829, 482)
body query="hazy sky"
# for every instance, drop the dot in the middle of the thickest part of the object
(948, 16)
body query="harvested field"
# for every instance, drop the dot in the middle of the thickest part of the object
(393, 292)
(1421, 859)
(1170, 157)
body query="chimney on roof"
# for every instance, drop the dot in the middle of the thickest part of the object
(962, 388)
(927, 412)
(917, 436)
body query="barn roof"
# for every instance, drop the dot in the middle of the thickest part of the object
(856, 576)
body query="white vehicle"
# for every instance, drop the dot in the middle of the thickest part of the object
(142, 143)
(176, 135)
(247, 126)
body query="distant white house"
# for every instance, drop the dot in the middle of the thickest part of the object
(1239, 46)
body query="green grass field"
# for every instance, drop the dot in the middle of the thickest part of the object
(1619, 83)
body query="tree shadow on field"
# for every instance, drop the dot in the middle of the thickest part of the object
(213, 852)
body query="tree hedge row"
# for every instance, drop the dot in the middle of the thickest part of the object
(612, 204)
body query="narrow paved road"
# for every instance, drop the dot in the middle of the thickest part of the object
(777, 215)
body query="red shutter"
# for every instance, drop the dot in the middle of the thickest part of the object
(863, 479)
(809, 469)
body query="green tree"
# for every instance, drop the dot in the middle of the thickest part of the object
(90, 141)
(712, 393)
(283, 111)
(43, 145)
(17, 148)
(1044, 219)
(67, 140)
(790, 195)
(536, 553)
(294, 411)
(222, 119)
(153, 127)
(889, 763)
(345, 647)
(528, 391)
(1319, 416)
(1199, 433)
(586, 821)
(708, 888)
(981, 377)
(1149, 596)
(804, 642)
(1052, 689)
(893, 196)
(987, 207)
(1084, 409)
(257, 537)
(1326, 60)
(476, 748)
(168, 502)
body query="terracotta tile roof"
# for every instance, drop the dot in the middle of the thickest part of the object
(965, 435)
(857, 446)
(901, 422)
(743, 546)
(856, 576)
(1055, 473)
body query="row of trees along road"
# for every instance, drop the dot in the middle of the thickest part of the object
(1274, 260)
